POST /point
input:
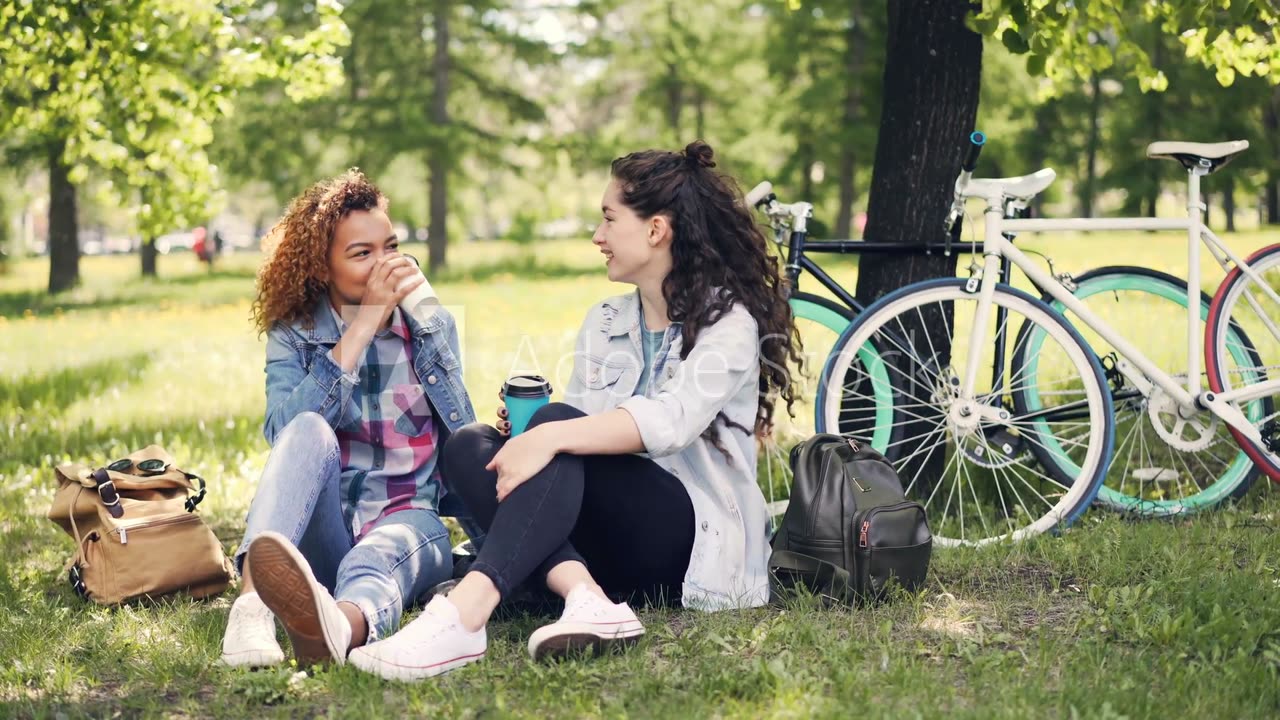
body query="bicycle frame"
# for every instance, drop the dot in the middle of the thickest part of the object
(998, 249)
(798, 262)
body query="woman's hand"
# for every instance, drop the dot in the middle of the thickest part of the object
(522, 457)
(383, 291)
(504, 424)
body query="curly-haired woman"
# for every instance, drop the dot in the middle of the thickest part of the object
(344, 530)
(685, 369)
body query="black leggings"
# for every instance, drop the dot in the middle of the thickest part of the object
(628, 520)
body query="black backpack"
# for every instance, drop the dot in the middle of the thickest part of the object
(849, 529)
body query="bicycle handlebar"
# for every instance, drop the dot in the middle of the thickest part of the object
(954, 218)
(976, 140)
(758, 194)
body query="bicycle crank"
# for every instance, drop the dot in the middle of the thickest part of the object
(1188, 434)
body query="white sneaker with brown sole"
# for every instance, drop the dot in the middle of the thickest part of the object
(283, 579)
(589, 623)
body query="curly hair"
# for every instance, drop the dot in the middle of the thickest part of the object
(716, 246)
(292, 278)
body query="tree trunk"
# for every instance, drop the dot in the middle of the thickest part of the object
(5, 246)
(438, 163)
(934, 62)
(804, 151)
(1087, 187)
(1153, 105)
(854, 51)
(1044, 116)
(149, 256)
(1229, 201)
(699, 114)
(1271, 122)
(64, 240)
(933, 65)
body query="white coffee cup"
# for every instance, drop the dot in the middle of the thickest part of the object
(423, 301)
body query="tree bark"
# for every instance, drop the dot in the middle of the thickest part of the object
(438, 163)
(64, 235)
(854, 52)
(931, 77)
(932, 70)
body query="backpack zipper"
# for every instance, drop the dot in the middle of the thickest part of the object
(866, 523)
(123, 531)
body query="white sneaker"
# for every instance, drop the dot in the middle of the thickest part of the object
(589, 622)
(250, 640)
(434, 643)
(317, 628)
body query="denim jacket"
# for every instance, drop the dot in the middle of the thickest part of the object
(302, 376)
(728, 565)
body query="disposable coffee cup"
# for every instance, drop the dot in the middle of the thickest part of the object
(423, 302)
(523, 395)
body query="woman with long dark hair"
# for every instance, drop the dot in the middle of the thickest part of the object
(642, 485)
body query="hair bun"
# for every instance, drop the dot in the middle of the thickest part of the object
(699, 154)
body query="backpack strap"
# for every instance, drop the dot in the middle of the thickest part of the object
(107, 491)
(194, 500)
(788, 569)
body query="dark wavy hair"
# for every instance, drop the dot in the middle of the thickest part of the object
(716, 246)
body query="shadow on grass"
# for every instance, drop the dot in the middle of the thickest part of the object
(132, 291)
(136, 292)
(55, 391)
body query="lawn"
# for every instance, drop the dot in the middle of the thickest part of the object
(1112, 618)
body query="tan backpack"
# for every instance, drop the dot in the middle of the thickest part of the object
(136, 531)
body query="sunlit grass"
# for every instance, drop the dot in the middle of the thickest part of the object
(1112, 617)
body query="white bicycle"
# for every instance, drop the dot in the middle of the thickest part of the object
(1013, 442)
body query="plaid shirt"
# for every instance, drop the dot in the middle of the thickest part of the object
(389, 460)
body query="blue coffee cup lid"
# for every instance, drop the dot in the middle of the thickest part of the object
(526, 386)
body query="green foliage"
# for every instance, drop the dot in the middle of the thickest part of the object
(135, 88)
(1064, 40)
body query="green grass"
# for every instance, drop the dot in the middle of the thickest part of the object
(1112, 618)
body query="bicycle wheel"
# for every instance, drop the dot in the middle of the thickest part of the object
(968, 460)
(820, 322)
(1164, 463)
(1244, 303)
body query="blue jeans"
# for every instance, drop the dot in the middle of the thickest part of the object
(402, 556)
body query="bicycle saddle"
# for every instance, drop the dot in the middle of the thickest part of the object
(1023, 187)
(1209, 156)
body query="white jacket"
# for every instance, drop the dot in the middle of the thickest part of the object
(728, 566)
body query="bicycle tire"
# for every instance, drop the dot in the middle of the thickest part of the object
(1220, 322)
(1080, 492)
(1237, 471)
